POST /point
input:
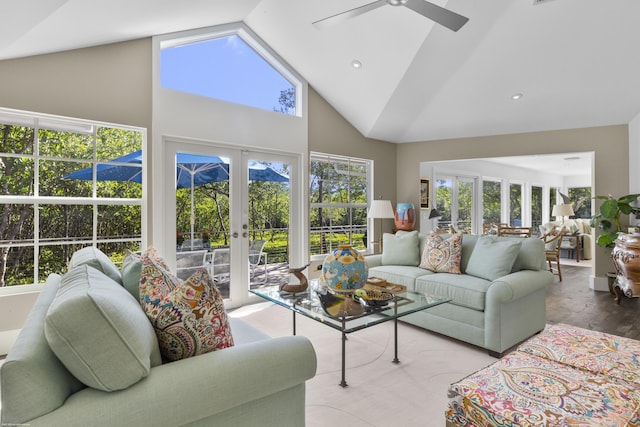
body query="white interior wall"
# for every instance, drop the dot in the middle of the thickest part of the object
(216, 121)
(634, 155)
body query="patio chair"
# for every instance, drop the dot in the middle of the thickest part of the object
(192, 244)
(255, 255)
(552, 241)
(189, 262)
(219, 265)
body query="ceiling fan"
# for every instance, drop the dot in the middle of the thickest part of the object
(438, 14)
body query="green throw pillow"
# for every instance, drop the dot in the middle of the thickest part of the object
(493, 257)
(131, 270)
(401, 249)
(97, 259)
(99, 331)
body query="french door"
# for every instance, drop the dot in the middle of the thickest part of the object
(241, 210)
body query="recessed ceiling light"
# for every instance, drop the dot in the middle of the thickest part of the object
(356, 64)
(516, 96)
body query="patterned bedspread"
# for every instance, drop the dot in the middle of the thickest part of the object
(565, 376)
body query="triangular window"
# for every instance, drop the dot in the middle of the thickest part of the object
(231, 66)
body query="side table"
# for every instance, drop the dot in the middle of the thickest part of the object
(575, 245)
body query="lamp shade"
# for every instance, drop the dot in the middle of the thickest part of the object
(434, 214)
(380, 209)
(562, 210)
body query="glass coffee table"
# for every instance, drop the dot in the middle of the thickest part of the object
(308, 304)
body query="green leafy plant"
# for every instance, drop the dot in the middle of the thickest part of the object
(608, 219)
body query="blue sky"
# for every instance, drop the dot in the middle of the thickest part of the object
(224, 68)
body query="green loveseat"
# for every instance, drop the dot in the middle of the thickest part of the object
(258, 381)
(494, 310)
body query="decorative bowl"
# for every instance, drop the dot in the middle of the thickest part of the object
(374, 298)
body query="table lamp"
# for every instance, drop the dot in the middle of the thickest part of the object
(380, 209)
(434, 214)
(562, 210)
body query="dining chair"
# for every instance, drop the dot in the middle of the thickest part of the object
(552, 243)
(514, 231)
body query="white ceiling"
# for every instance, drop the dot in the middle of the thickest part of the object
(575, 61)
(565, 164)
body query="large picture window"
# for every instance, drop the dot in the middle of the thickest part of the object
(45, 213)
(230, 63)
(339, 193)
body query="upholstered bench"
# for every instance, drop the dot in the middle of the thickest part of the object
(565, 376)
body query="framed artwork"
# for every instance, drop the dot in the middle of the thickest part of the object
(424, 193)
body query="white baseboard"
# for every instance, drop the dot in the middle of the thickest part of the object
(600, 284)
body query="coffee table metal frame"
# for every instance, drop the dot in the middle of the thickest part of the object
(308, 305)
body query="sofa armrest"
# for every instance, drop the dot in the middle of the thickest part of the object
(191, 389)
(373, 260)
(517, 285)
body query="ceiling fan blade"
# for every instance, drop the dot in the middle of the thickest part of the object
(342, 16)
(438, 14)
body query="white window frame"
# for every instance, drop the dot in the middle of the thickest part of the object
(324, 157)
(51, 122)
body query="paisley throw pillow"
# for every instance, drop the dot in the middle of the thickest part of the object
(188, 316)
(442, 255)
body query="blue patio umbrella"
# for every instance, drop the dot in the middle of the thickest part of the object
(192, 170)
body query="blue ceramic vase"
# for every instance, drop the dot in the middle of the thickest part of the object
(344, 270)
(405, 216)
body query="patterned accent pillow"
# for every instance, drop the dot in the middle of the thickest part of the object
(189, 317)
(442, 255)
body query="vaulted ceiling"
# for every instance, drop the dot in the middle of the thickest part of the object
(575, 62)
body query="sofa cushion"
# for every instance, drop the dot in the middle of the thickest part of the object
(98, 331)
(97, 259)
(531, 255)
(463, 290)
(130, 272)
(493, 257)
(189, 317)
(33, 380)
(401, 249)
(442, 255)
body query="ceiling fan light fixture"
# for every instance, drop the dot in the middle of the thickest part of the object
(396, 2)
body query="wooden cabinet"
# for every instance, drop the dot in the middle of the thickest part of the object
(626, 259)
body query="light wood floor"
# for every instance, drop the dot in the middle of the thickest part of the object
(572, 302)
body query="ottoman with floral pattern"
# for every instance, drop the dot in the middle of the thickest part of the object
(565, 376)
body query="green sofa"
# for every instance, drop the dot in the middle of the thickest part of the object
(495, 313)
(258, 381)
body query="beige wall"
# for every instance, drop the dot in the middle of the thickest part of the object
(330, 133)
(610, 145)
(110, 83)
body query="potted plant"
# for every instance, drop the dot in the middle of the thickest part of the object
(206, 239)
(624, 250)
(608, 218)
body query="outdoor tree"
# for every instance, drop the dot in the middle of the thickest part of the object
(59, 153)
